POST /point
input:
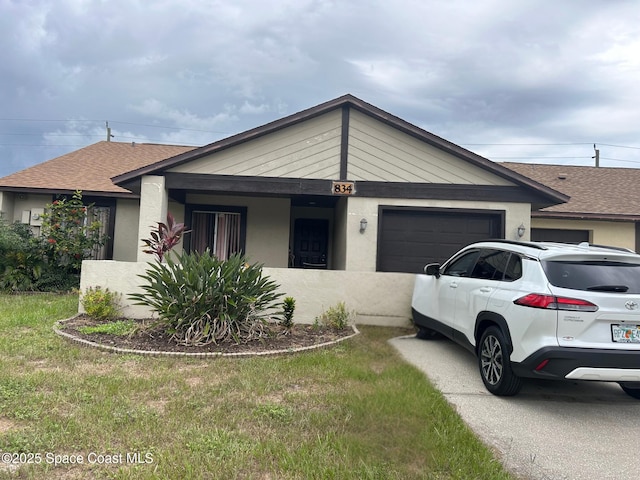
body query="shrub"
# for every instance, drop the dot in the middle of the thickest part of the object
(288, 307)
(30, 263)
(71, 232)
(205, 300)
(101, 304)
(337, 317)
(22, 258)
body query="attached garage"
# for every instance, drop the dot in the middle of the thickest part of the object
(559, 235)
(409, 238)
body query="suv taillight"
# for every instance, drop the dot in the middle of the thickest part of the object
(538, 300)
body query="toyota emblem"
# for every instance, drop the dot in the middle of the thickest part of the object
(631, 305)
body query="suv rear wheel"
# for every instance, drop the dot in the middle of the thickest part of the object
(495, 366)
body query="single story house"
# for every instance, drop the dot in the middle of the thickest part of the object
(603, 208)
(339, 202)
(24, 194)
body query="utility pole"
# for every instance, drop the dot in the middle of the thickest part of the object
(597, 155)
(109, 136)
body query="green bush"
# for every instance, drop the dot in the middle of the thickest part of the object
(205, 300)
(51, 262)
(337, 317)
(71, 232)
(22, 258)
(101, 304)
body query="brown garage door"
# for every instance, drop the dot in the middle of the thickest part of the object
(556, 235)
(409, 238)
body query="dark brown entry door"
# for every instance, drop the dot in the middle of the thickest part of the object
(310, 239)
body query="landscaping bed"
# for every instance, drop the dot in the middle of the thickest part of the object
(148, 336)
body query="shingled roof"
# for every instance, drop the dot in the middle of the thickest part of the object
(89, 169)
(598, 193)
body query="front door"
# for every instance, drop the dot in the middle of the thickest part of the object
(310, 239)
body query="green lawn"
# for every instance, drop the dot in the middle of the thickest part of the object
(354, 411)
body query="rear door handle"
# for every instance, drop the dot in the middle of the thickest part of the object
(485, 289)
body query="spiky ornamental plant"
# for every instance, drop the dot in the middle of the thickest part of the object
(166, 236)
(288, 307)
(204, 300)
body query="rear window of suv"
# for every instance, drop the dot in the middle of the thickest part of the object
(601, 276)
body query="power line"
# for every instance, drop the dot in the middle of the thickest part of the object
(111, 121)
(619, 160)
(170, 128)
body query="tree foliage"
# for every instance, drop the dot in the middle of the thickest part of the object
(71, 231)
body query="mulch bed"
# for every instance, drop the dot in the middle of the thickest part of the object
(152, 338)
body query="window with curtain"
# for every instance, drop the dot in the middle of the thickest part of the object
(102, 215)
(220, 232)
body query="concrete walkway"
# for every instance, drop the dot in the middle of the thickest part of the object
(550, 430)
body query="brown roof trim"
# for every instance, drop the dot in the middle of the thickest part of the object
(289, 187)
(233, 140)
(346, 101)
(54, 191)
(586, 216)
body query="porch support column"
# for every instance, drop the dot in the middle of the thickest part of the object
(154, 200)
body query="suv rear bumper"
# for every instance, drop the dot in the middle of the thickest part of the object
(581, 364)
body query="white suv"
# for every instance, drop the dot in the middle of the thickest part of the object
(540, 310)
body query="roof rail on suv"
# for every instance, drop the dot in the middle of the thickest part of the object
(541, 245)
(610, 247)
(517, 242)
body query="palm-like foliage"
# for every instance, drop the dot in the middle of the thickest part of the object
(205, 300)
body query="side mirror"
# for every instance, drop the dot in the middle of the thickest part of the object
(432, 269)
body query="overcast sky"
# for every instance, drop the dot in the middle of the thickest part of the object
(517, 80)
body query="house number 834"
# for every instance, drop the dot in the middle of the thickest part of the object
(343, 188)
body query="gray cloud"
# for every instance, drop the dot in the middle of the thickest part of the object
(473, 72)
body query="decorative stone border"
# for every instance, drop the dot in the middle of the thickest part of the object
(157, 353)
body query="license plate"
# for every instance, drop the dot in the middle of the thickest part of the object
(625, 333)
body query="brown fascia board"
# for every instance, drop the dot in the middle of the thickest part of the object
(54, 191)
(610, 217)
(347, 100)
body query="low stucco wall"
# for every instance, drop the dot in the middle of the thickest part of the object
(377, 298)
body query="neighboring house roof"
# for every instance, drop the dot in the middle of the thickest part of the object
(598, 193)
(89, 169)
(131, 179)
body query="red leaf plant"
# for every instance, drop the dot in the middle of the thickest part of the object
(164, 238)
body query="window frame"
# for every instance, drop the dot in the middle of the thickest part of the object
(190, 209)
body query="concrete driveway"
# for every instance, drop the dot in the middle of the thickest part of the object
(550, 430)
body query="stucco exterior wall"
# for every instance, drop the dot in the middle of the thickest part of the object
(14, 204)
(376, 298)
(125, 235)
(362, 248)
(617, 234)
(7, 206)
